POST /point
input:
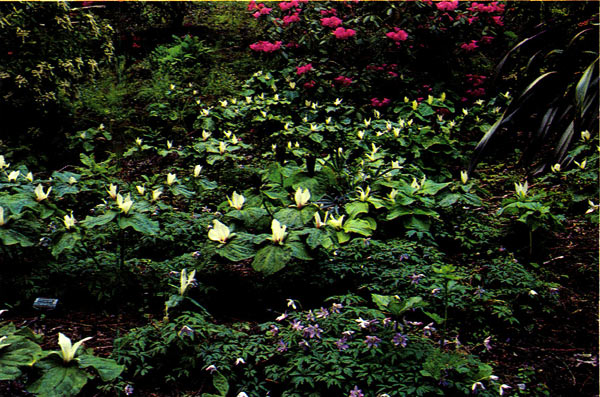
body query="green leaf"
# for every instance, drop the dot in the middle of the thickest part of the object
(359, 226)
(107, 369)
(139, 222)
(299, 250)
(449, 200)
(19, 352)
(12, 237)
(238, 249)
(342, 237)
(315, 238)
(220, 383)
(92, 221)
(290, 217)
(271, 259)
(66, 242)
(17, 202)
(355, 208)
(382, 301)
(179, 190)
(431, 188)
(58, 380)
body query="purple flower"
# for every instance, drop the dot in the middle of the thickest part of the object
(297, 325)
(128, 390)
(428, 329)
(185, 330)
(341, 344)
(322, 313)
(486, 343)
(304, 344)
(312, 331)
(372, 341)
(400, 339)
(336, 307)
(479, 292)
(310, 316)
(415, 278)
(386, 321)
(281, 346)
(356, 392)
(273, 330)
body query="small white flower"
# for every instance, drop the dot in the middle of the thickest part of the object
(238, 362)
(291, 303)
(502, 388)
(211, 368)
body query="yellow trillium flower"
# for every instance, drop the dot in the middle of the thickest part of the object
(112, 191)
(301, 197)
(141, 190)
(555, 167)
(39, 193)
(69, 221)
(2, 220)
(67, 349)
(236, 201)
(318, 223)
(364, 194)
(171, 178)
(124, 203)
(336, 223)
(222, 147)
(3, 164)
(464, 176)
(219, 232)
(521, 189)
(156, 194)
(197, 170)
(185, 281)
(278, 231)
(29, 176)
(13, 175)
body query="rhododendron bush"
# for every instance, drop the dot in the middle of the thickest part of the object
(372, 48)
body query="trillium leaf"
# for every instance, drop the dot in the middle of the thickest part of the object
(67, 241)
(299, 250)
(355, 208)
(59, 380)
(12, 237)
(238, 249)
(17, 202)
(290, 217)
(140, 223)
(107, 369)
(93, 221)
(271, 259)
(18, 352)
(359, 226)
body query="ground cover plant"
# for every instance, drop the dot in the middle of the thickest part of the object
(299, 199)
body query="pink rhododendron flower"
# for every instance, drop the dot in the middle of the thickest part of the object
(343, 34)
(469, 47)
(331, 11)
(486, 39)
(288, 19)
(447, 5)
(286, 5)
(397, 35)
(310, 84)
(498, 20)
(475, 79)
(252, 5)
(342, 80)
(303, 69)
(292, 44)
(476, 92)
(265, 46)
(375, 102)
(472, 19)
(489, 8)
(393, 74)
(331, 22)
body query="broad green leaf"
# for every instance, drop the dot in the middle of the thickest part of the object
(359, 226)
(139, 222)
(58, 380)
(20, 352)
(431, 188)
(220, 383)
(66, 242)
(107, 369)
(342, 237)
(355, 208)
(315, 238)
(17, 202)
(238, 249)
(12, 237)
(382, 301)
(179, 190)
(271, 259)
(299, 250)
(449, 200)
(93, 221)
(291, 217)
